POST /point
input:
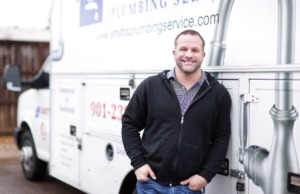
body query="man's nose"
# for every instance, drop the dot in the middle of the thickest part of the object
(189, 53)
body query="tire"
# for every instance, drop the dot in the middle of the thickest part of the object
(33, 168)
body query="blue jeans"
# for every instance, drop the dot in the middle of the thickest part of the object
(152, 187)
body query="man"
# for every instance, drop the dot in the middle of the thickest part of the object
(185, 114)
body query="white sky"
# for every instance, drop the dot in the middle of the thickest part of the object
(26, 14)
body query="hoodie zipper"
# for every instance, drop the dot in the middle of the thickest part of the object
(180, 134)
(178, 148)
(169, 86)
(181, 126)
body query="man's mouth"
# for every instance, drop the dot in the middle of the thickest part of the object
(188, 62)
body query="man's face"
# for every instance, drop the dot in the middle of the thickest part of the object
(188, 53)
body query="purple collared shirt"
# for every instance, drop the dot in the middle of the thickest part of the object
(185, 96)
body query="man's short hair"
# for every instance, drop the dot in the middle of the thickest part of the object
(190, 32)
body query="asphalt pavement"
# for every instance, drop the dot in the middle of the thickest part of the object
(12, 180)
(8, 148)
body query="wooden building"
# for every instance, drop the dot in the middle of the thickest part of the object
(29, 49)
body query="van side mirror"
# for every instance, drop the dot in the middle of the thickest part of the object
(11, 78)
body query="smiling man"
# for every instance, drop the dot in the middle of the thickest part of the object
(185, 115)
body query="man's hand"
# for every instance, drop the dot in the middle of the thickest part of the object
(143, 172)
(195, 182)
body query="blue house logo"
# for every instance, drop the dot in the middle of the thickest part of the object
(90, 12)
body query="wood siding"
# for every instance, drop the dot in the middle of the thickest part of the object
(30, 56)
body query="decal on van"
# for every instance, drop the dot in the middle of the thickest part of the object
(41, 111)
(90, 12)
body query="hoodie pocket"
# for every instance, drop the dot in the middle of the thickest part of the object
(190, 161)
(161, 157)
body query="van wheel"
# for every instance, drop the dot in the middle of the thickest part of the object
(33, 168)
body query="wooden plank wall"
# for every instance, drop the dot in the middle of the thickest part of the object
(30, 56)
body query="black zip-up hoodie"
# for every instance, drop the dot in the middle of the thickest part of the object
(177, 146)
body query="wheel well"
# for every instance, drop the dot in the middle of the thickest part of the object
(24, 127)
(128, 184)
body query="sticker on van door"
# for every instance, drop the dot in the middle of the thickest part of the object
(90, 12)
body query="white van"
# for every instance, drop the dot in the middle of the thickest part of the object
(69, 121)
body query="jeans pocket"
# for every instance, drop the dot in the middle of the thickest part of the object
(187, 190)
